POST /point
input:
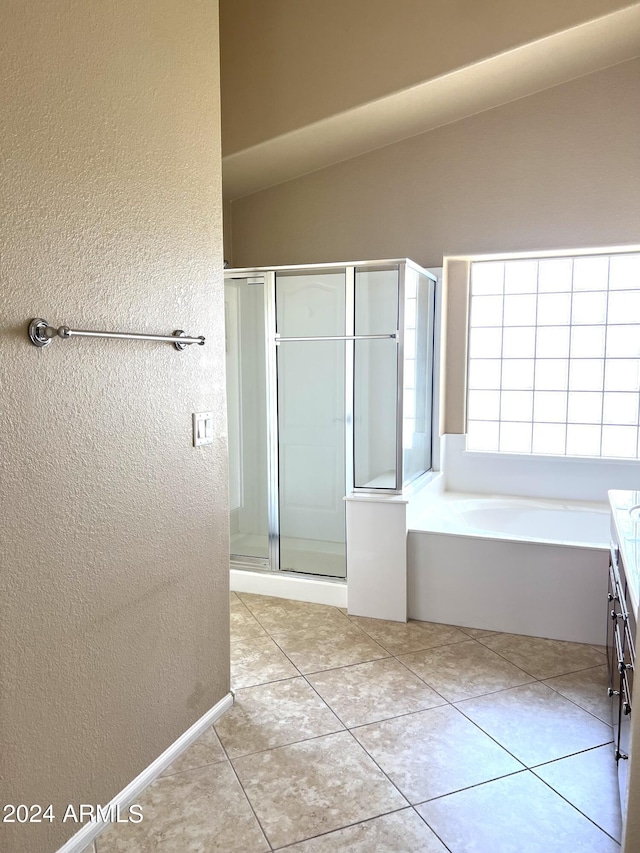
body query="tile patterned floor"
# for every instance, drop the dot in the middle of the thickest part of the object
(358, 735)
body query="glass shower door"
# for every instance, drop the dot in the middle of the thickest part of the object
(329, 385)
(244, 302)
(311, 421)
(376, 378)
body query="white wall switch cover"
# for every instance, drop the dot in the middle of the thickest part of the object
(202, 428)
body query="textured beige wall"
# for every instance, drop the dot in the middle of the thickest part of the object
(226, 217)
(557, 170)
(113, 576)
(287, 63)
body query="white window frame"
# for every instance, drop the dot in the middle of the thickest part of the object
(573, 423)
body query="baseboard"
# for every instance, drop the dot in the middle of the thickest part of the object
(283, 585)
(78, 842)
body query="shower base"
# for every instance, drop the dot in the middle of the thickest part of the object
(306, 556)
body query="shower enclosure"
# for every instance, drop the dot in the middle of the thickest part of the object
(329, 389)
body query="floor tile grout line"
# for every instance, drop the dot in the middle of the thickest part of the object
(340, 666)
(543, 681)
(340, 828)
(408, 668)
(322, 699)
(581, 707)
(399, 654)
(257, 618)
(261, 683)
(445, 702)
(384, 773)
(353, 625)
(345, 729)
(273, 638)
(289, 743)
(420, 621)
(516, 773)
(301, 740)
(534, 767)
(467, 637)
(479, 695)
(461, 628)
(246, 795)
(345, 665)
(519, 760)
(374, 722)
(350, 728)
(397, 657)
(546, 679)
(479, 727)
(453, 701)
(470, 788)
(572, 755)
(537, 677)
(422, 649)
(282, 651)
(224, 760)
(571, 671)
(265, 683)
(413, 806)
(428, 825)
(288, 631)
(569, 699)
(393, 783)
(574, 806)
(487, 636)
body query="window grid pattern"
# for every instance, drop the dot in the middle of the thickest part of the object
(554, 356)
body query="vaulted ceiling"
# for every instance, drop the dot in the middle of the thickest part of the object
(307, 84)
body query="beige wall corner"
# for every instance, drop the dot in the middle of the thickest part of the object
(456, 322)
(113, 568)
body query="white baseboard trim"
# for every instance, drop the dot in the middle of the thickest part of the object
(281, 585)
(78, 842)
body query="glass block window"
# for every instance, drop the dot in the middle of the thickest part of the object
(554, 356)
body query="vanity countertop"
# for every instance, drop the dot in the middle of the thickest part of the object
(625, 528)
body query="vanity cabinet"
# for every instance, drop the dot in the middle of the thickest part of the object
(623, 606)
(621, 658)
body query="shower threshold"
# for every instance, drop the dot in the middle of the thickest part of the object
(307, 556)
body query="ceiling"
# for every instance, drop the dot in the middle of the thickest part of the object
(480, 86)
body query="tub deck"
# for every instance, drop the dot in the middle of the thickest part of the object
(518, 565)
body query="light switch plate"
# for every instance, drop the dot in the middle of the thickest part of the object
(202, 428)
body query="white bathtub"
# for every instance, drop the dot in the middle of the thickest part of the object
(529, 519)
(521, 565)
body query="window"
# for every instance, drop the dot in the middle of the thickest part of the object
(554, 356)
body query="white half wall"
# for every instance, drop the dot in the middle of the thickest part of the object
(377, 556)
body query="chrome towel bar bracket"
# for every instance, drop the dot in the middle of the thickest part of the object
(41, 334)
